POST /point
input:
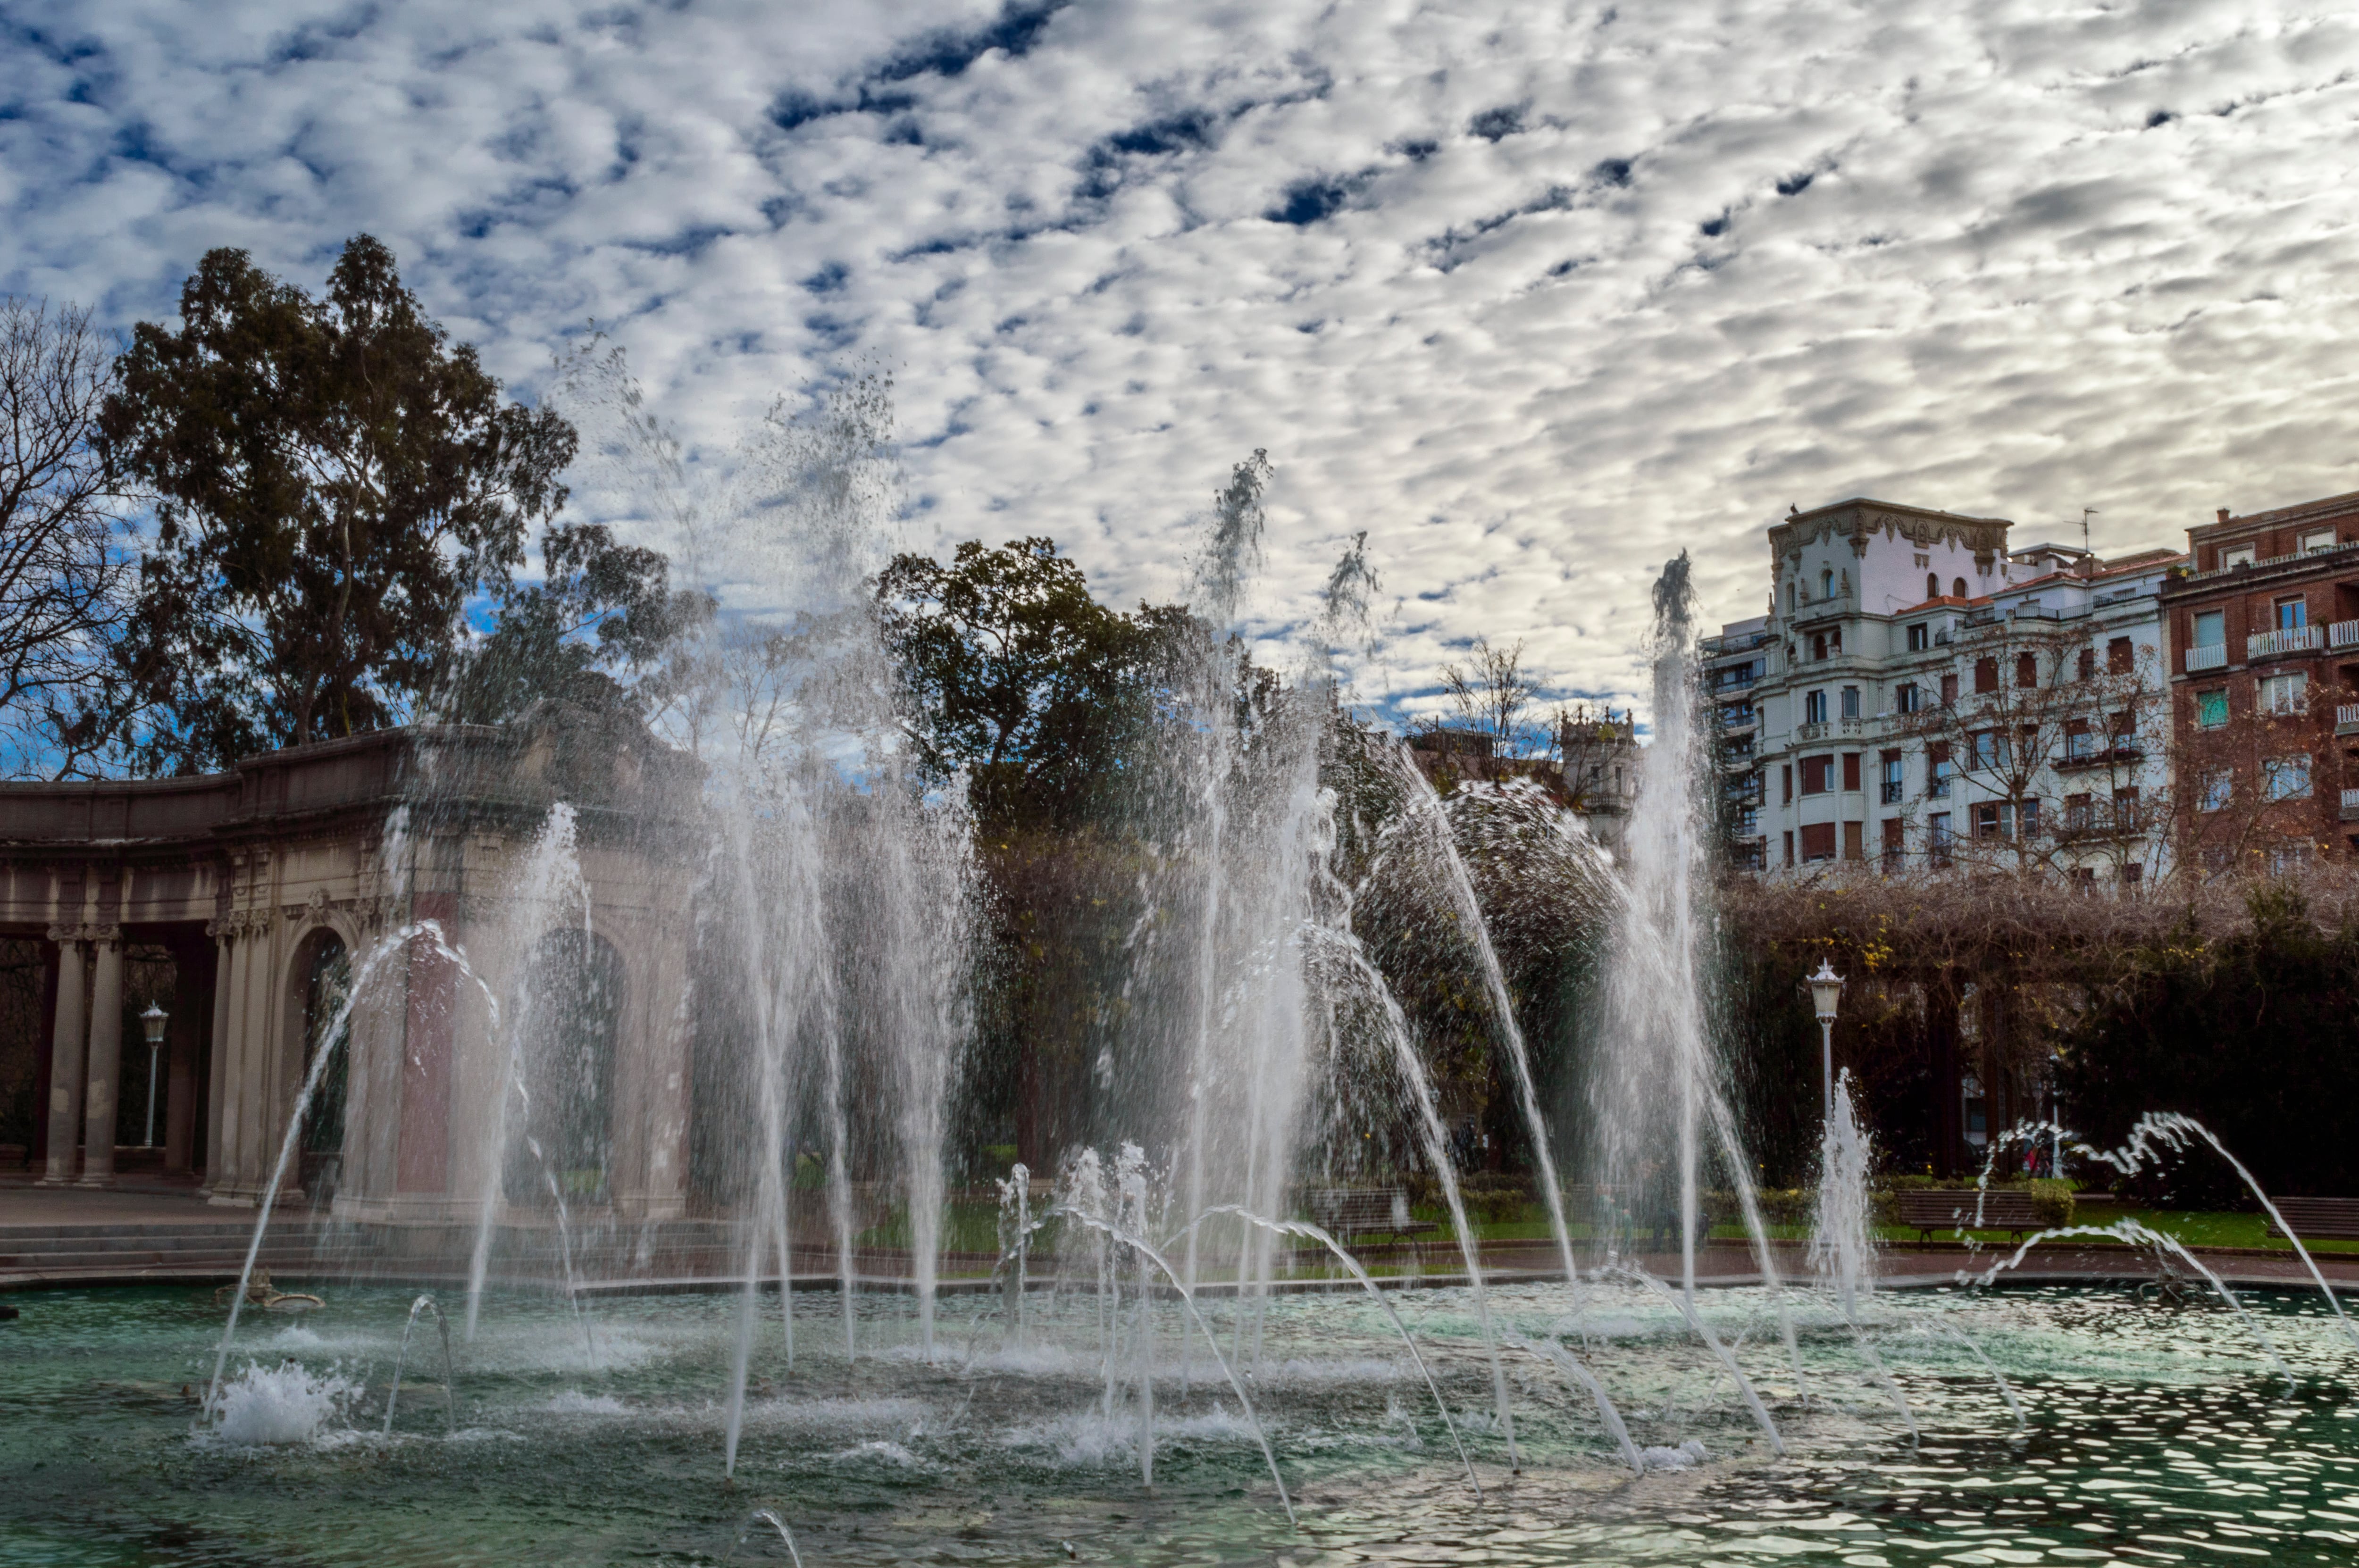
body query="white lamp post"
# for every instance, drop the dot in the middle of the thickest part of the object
(1826, 995)
(152, 1021)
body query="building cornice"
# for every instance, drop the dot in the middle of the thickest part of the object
(1861, 519)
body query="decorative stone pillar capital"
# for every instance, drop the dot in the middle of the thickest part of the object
(97, 935)
(65, 936)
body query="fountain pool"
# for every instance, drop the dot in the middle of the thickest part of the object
(2149, 1433)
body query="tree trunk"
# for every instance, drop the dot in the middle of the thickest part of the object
(1941, 1046)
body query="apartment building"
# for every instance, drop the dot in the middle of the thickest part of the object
(1732, 665)
(2263, 625)
(1920, 694)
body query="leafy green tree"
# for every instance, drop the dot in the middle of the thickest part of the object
(333, 483)
(1014, 674)
(592, 632)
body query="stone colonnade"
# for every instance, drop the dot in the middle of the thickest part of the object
(249, 878)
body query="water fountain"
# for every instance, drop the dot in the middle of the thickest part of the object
(1162, 1359)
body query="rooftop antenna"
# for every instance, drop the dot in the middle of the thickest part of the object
(2086, 512)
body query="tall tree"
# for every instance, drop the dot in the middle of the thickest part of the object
(591, 632)
(65, 574)
(1014, 674)
(333, 482)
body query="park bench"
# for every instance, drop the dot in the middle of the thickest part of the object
(2332, 1219)
(1930, 1209)
(1346, 1212)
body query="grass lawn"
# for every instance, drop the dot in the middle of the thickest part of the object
(974, 1227)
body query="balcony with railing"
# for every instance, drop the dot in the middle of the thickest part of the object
(1829, 728)
(2342, 634)
(1892, 791)
(2286, 640)
(2215, 658)
(2346, 718)
(2351, 804)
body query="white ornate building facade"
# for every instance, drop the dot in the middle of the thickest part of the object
(1920, 695)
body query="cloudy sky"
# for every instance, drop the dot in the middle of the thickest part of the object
(1537, 294)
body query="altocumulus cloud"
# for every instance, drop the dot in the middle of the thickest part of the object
(1537, 295)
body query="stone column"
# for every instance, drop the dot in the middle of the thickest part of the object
(105, 1060)
(65, 1058)
(183, 1040)
(216, 1163)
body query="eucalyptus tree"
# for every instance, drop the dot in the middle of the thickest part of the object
(333, 483)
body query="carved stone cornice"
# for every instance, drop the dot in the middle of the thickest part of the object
(86, 930)
(1861, 521)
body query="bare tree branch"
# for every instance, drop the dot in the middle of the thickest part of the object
(64, 577)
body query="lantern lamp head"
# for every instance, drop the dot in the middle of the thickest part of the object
(1826, 991)
(153, 1021)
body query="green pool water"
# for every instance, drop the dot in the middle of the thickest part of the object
(2150, 1434)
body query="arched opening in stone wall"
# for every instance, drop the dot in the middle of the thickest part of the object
(324, 969)
(570, 1016)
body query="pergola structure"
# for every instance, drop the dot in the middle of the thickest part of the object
(335, 858)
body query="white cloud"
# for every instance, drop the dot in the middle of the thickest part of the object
(1577, 287)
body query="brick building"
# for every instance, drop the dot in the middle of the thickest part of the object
(2264, 627)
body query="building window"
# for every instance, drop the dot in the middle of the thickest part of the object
(1789, 847)
(2121, 657)
(2080, 741)
(1817, 776)
(2212, 708)
(1790, 610)
(1949, 689)
(2211, 629)
(2293, 614)
(1785, 788)
(2126, 807)
(2084, 878)
(2237, 556)
(2218, 786)
(1909, 698)
(1826, 582)
(1920, 637)
(1937, 835)
(2286, 778)
(2317, 539)
(1815, 708)
(1990, 750)
(1817, 644)
(1850, 702)
(1893, 842)
(2079, 818)
(1851, 771)
(2028, 817)
(1938, 771)
(1817, 841)
(1932, 586)
(2132, 875)
(2284, 695)
(1959, 587)
(2289, 858)
(1895, 780)
(2087, 668)
(2026, 670)
(1985, 675)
